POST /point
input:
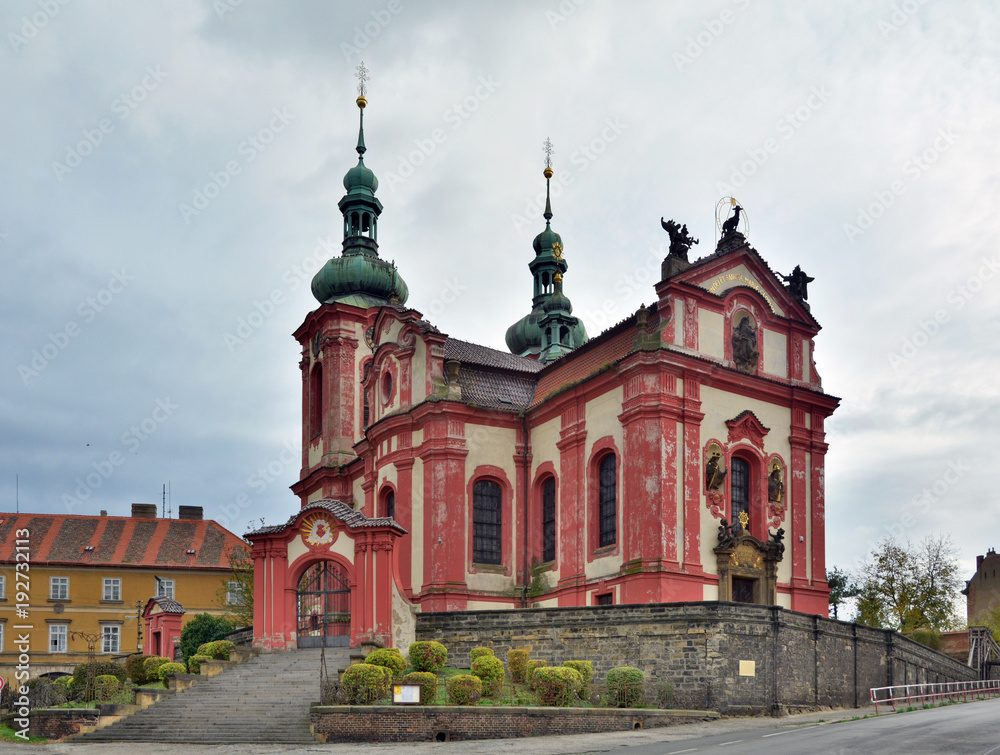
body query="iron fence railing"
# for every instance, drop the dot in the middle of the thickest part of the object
(940, 692)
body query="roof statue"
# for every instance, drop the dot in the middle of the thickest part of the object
(680, 240)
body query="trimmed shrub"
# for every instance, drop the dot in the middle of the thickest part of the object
(65, 681)
(150, 666)
(107, 686)
(557, 685)
(133, 667)
(194, 662)
(100, 668)
(586, 671)
(465, 689)
(365, 683)
(201, 630)
(428, 656)
(480, 652)
(389, 659)
(490, 670)
(533, 663)
(217, 650)
(517, 660)
(625, 687)
(428, 685)
(170, 668)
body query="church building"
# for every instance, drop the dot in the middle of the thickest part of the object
(677, 456)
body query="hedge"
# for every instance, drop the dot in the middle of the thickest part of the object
(170, 668)
(100, 668)
(388, 658)
(428, 656)
(428, 685)
(366, 683)
(517, 659)
(465, 689)
(150, 666)
(586, 671)
(219, 649)
(533, 663)
(480, 652)
(133, 667)
(195, 661)
(625, 686)
(557, 685)
(490, 670)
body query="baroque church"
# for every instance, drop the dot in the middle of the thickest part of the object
(677, 456)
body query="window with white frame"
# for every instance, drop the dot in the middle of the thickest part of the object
(111, 638)
(58, 588)
(58, 634)
(1, 636)
(164, 588)
(234, 593)
(112, 589)
(3, 587)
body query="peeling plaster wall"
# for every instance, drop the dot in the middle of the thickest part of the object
(775, 353)
(711, 339)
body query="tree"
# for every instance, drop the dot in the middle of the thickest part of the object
(990, 619)
(904, 588)
(841, 588)
(201, 629)
(236, 592)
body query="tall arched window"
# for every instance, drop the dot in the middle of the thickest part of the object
(607, 508)
(487, 501)
(390, 504)
(740, 489)
(549, 519)
(316, 401)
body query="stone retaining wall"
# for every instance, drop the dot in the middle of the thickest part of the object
(800, 661)
(386, 723)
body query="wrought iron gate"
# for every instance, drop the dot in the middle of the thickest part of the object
(324, 607)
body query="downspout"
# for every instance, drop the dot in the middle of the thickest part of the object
(524, 461)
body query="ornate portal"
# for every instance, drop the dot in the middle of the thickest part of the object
(748, 568)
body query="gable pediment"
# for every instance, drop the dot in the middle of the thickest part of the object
(746, 426)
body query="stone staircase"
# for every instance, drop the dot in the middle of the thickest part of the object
(265, 700)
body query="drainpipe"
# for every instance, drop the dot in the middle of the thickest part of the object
(524, 587)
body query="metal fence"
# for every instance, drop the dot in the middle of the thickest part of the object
(933, 694)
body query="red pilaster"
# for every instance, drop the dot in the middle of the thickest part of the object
(799, 441)
(692, 417)
(404, 515)
(572, 542)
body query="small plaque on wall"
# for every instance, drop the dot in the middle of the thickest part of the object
(406, 694)
(748, 668)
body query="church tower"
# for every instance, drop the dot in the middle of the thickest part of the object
(547, 332)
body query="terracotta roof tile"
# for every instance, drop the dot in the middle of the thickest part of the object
(176, 542)
(105, 550)
(142, 536)
(212, 550)
(342, 511)
(473, 353)
(497, 390)
(74, 535)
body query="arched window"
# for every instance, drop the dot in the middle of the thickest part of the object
(549, 519)
(563, 335)
(389, 507)
(487, 501)
(607, 502)
(316, 402)
(740, 489)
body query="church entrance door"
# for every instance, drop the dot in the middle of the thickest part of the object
(324, 607)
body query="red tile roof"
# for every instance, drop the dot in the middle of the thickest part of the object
(118, 541)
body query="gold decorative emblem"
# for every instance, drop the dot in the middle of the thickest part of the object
(744, 519)
(317, 529)
(744, 555)
(557, 250)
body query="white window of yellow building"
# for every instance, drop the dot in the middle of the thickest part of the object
(3, 587)
(164, 588)
(1, 636)
(58, 588)
(112, 589)
(111, 635)
(234, 595)
(58, 634)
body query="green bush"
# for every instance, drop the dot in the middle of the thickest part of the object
(108, 686)
(490, 670)
(428, 656)
(195, 661)
(517, 660)
(217, 649)
(133, 667)
(625, 687)
(65, 681)
(533, 663)
(465, 689)
(390, 659)
(480, 652)
(150, 666)
(586, 671)
(170, 668)
(365, 683)
(925, 636)
(557, 685)
(428, 685)
(202, 629)
(100, 668)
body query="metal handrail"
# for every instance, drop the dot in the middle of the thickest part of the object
(937, 692)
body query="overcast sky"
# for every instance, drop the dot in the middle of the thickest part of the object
(171, 173)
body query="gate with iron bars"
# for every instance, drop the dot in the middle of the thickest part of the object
(324, 607)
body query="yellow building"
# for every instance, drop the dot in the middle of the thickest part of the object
(67, 582)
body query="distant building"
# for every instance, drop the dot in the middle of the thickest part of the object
(677, 456)
(89, 578)
(983, 590)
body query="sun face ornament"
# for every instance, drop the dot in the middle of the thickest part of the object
(318, 530)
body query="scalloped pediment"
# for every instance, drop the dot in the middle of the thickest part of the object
(746, 426)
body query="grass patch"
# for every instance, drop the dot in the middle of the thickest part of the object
(153, 685)
(7, 734)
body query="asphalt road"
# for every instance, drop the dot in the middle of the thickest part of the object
(972, 728)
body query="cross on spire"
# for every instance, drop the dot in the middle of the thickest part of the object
(362, 74)
(548, 150)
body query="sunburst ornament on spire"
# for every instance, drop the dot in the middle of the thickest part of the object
(362, 74)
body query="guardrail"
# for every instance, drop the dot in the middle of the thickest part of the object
(935, 693)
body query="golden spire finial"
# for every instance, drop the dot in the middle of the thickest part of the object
(362, 73)
(548, 150)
